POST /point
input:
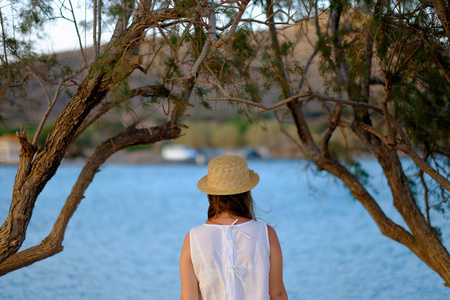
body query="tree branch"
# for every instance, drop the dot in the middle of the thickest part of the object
(124, 17)
(99, 24)
(94, 28)
(4, 45)
(50, 106)
(27, 151)
(386, 225)
(225, 38)
(200, 59)
(405, 148)
(333, 123)
(90, 93)
(107, 106)
(280, 120)
(172, 47)
(387, 95)
(423, 165)
(52, 244)
(74, 20)
(426, 189)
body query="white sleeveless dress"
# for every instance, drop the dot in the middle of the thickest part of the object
(231, 261)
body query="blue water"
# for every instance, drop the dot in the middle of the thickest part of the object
(124, 240)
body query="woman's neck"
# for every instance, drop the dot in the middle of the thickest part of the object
(226, 219)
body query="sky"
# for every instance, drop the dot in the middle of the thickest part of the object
(61, 36)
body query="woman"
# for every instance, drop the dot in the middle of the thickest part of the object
(232, 256)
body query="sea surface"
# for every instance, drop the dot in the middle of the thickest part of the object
(124, 240)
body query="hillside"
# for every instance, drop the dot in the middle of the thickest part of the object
(222, 118)
(35, 102)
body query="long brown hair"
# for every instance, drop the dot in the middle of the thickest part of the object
(240, 205)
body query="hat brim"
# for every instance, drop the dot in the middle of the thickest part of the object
(203, 186)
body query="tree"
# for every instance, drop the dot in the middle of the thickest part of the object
(187, 36)
(385, 43)
(385, 66)
(365, 49)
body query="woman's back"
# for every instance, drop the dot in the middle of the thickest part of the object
(226, 258)
(231, 261)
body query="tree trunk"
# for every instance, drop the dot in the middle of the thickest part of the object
(427, 245)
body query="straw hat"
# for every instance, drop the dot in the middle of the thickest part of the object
(228, 175)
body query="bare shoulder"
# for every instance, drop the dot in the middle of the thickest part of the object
(273, 238)
(189, 282)
(186, 248)
(271, 230)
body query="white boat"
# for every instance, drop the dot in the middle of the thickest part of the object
(178, 153)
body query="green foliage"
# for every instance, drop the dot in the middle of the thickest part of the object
(357, 170)
(201, 92)
(222, 67)
(384, 32)
(13, 45)
(149, 100)
(115, 8)
(270, 69)
(356, 60)
(227, 14)
(185, 5)
(242, 49)
(252, 91)
(410, 52)
(438, 198)
(327, 66)
(286, 47)
(198, 40)
(173, 38)
(205, 104)
(341, 5)
(19, 62)
(121, 92)
(112, 9)
(172, 69)
(233, 69)
(105, 63)
(424, 111)
(34, 15)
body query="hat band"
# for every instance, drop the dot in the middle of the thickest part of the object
(231, 185)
